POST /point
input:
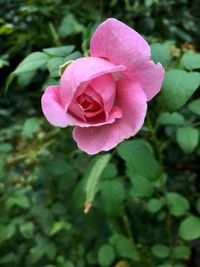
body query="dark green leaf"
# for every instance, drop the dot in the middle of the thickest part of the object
(106, 255)
(160, 251)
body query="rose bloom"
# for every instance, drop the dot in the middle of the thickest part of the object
(105, 95)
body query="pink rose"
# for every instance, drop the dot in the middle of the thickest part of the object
(105, 95)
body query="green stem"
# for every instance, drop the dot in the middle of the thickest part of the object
(196, 124)
(54, 34)
(101, 9)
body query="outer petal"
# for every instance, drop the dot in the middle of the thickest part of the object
(52, 108)
(57, 116)
(132, 101)
(80, 72)
(120, 44)
(150, 76)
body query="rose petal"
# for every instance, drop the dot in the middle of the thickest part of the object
(150, 76)
(132, 101)
(81, 71)
(105, 85)
(120, 44)
(57, 116)
(52, 108)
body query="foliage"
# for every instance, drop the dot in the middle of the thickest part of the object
(144, 200)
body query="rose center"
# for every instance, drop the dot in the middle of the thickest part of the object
(87, 105)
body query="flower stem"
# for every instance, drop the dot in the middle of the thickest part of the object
(101, 9)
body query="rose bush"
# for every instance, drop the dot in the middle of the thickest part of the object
(105, 95)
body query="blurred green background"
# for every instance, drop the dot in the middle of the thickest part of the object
(146, 209)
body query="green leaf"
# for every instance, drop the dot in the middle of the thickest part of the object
(125, 247)
(26, 229)
(142, 187)
(7, 232)
(139, 155)
(73, 56)
(53, 66)
(50, 251)
(18, 200)
(106, 255)
(194, 106)
(181, 252)
(63, 67)
(69, 26)
(187, 138)
(94, 175)
(171, 118)
(178, 205)
(25, 78)
(112, 194)
(30, 127)
(178, 87)
(59, 226)
(9, 81)
(61, 51)
(198, 205)
(160, 251)
(154, 205)
(32, 62)
(190, 228)
(191, 61)
(159, 53)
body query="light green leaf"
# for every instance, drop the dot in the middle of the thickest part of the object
(106, 255)
(53, 66)
(32, 62)
(178, 87)
(191, 61)
(178, 205)
(160, 251)
(69, 26)
(61, 51)
(30, 127)
(187, 138)
(171, 118)
(190, 228)
(159, 53)
(18, 200)
(154, 205)
(139, 156)
(94, 175)
(194, 106)
(9, 81)
(58, 226)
